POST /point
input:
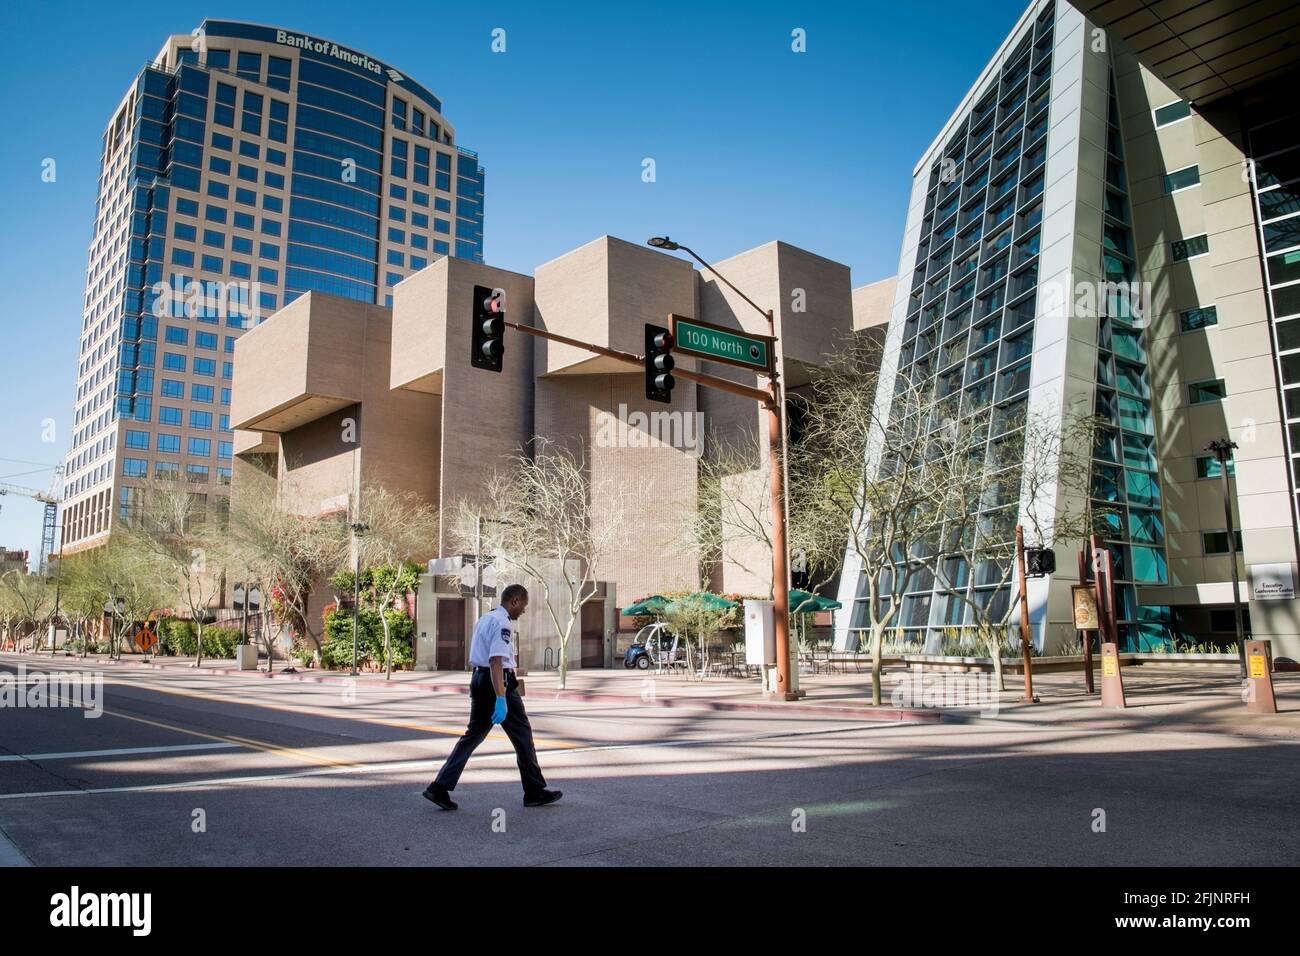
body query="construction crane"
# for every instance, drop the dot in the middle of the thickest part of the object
(51, 499)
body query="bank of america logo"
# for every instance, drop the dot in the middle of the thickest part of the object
(395, 76)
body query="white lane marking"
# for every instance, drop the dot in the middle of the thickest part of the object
(402, 765)
(119, 752)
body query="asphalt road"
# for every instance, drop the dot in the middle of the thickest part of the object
(205, 770)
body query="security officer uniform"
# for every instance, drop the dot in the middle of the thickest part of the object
(494, 637)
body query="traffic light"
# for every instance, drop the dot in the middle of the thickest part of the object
(488, 339)
(1039, 562)
(658, 364)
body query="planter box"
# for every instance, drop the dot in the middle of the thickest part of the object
(1149, 658)
(1056, 663)
(246, 657)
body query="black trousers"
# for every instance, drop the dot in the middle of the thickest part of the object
(482, 701)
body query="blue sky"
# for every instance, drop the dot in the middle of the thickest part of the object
(751, 141)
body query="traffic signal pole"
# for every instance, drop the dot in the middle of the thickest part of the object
(780, 555)
(712, 381)
(770, 399)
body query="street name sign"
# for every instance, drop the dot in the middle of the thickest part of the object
(716, 344)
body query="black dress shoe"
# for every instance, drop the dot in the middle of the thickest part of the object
(543, 798)
(440, 796)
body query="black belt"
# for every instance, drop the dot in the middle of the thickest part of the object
(507, 670)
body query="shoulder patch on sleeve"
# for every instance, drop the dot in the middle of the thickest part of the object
(505, 634)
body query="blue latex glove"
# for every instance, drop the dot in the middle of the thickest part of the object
(499, 713)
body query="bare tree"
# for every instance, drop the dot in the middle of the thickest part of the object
(867, 468)
(732, 519)
(288, 554)
(548, 520)
(1009, 467)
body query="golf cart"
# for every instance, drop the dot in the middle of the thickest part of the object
(652, 648)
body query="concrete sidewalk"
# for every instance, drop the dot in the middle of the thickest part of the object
(1171, 697)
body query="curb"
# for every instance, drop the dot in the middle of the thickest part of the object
(898, 715)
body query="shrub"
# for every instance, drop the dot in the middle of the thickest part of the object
(175, 635)
(179, 638)
(337, 649)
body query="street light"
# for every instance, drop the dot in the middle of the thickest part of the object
(358, 529)
(1222, 449)
(775, 405)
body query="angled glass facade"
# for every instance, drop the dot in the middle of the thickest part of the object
(1125, 469)
(968, 329)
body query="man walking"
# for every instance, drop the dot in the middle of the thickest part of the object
(494, 699)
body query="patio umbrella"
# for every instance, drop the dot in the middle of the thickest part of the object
(652, 605)
(711, 600)
(802, 602)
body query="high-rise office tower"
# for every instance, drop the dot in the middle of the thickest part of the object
(1161, 150)
(245, 166)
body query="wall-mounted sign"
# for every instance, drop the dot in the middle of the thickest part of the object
(1272, 582)
(1086, 617)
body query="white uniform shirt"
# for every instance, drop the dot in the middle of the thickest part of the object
(493, 637)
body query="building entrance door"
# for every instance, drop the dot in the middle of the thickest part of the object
(451, 634)
(593, 634)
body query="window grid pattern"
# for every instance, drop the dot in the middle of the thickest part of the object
(970, 323)
(1274, 144)
(1125, 473)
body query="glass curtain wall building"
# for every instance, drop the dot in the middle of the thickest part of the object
(245, 166)
(1074, 167)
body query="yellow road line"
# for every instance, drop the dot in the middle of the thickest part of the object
(542, 743)
(240, 741)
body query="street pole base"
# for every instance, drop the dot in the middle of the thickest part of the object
(784, 694)
(1030, 700)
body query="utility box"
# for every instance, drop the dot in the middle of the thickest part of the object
(760, 633)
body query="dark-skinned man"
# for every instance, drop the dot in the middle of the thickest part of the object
(494, 699)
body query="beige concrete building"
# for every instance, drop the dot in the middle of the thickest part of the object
(424, 420)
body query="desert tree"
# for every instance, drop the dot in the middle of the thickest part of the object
(1009, 466)
(696, 614)
(545, 518)
(33, 601)
(401, 529)
(131, 581)
(83, 595)
(288, 554)
(867, 469)
(187, 542)
(731, 519)
(10, 615)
